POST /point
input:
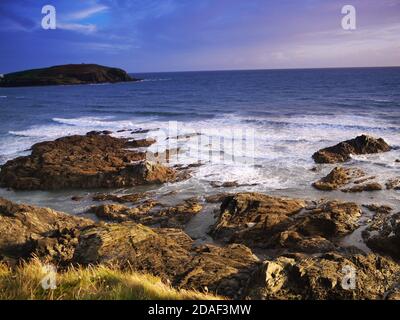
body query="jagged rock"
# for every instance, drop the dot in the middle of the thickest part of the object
(162, 252)
(327, 277)
(149, 213)
(372, 186)
(386, 238)
(141, 143)
(393, 184)
(379, 208)
(90, 161)
(259, 220)
(216, 198)
(342, 152)
(23, 228)
(133, 197)
(338, 178)
(226, 271)
(228, 184)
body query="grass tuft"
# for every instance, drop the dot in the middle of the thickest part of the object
(87, 283)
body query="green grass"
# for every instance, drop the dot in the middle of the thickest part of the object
(87, 283)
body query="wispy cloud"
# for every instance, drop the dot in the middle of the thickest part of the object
(86, 13)
(77, 27)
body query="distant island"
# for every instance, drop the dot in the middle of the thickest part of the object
(65, 75)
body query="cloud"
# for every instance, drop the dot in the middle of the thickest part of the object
(77, 27)
(86, 13)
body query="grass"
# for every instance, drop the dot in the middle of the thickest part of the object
(87, 283)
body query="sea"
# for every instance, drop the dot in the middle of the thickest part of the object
(279, 117)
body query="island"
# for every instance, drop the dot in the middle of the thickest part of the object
(65, 75)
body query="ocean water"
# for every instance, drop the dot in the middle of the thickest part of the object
(289, 113)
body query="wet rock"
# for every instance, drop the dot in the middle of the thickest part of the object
(262, 221)
(393, 184)
(133, 197)
(342, 152)
(150, 213)
(338, 178)
(228, 184)
(386, 238)
(77, 198)
(324, 277)
(385, 209)
(216, 198)
(22, 227)
(372, 186)
(90, 161)
(141, 143)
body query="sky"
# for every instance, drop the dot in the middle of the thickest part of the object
(184, 35)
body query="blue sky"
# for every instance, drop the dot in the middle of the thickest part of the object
(179, 35)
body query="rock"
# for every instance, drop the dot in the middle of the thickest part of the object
(228, 184)
(90, 161)
(338, 178)
(397, 161)
(23, 228)
(161, 252)
(342, 152)
(216, 198)
(324, 277)
(65, 75)
(149, 213)
(141, 143)
(133, 197)
(372, 186)
(393, 184)
(386, 238)
(226, 271)
(261, 221)
(378, 208)
(76, 198)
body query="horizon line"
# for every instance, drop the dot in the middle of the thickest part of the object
(265, 69)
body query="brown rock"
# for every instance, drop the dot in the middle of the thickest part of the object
(133, 197)
(372, 186)
(149, 213)
(341, 152)
(23, 228)
(91, 161)
(162, 252)
(393, 184)
(141, 143)
(321, 278)
(226, 271)
(258, 220)
(337, 178)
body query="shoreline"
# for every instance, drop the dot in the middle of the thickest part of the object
(273, 227)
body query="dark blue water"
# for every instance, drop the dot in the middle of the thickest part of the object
(292, 112)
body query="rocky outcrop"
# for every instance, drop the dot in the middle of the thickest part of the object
(168, 253)
(259, 220)
(372, 186)
(338, 178)
(383, 236)
(393, 184)
(90, 161)
(65, 75)
(328, 277)
(150, 213)
(24, 230)
(342, 152)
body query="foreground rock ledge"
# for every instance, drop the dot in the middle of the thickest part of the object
(232, 271)
(342, 151)
(90, 161)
